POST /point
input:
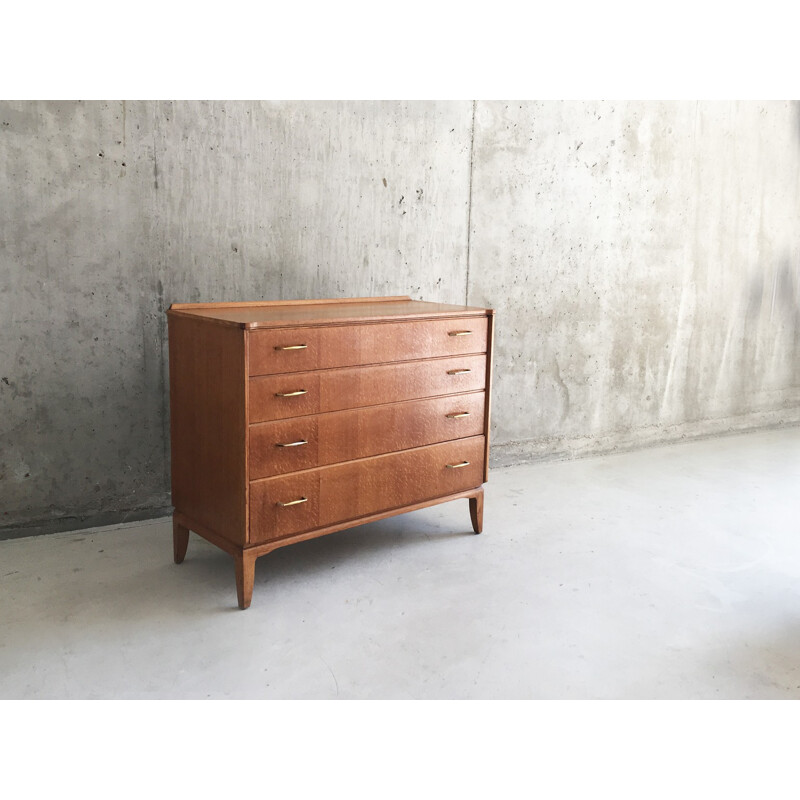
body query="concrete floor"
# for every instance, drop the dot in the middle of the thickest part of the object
(671, 572)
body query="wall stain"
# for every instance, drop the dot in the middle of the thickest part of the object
(572, 260)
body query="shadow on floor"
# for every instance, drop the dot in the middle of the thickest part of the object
(132, 580)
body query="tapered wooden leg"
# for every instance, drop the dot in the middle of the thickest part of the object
(476, 511)
(180, 541)
(245, 572)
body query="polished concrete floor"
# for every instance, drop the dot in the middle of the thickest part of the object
(671, 572)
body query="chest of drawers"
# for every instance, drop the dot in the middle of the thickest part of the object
(291, 420)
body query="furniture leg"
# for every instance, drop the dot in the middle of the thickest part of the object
(180, 541)
(476, 511)
(245, 572)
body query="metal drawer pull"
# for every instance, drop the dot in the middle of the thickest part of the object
(293, 502)
(293, 347)
(459, 333)
(291, 394)
(458, 371)
(292, 444)
(456, 466)
(458, 415)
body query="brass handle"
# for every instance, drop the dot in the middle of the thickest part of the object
(293, 347)
(457, 371)
(292, 444)
(293, 502)
(458, 415)
(458, 466)
(291, 394)
(459, 333)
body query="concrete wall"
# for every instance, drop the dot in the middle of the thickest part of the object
(642, 257)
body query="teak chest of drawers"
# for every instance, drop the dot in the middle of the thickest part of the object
(294, 419)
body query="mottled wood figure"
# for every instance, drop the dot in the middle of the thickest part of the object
(295, 419)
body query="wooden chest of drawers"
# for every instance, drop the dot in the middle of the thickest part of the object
(294, 419)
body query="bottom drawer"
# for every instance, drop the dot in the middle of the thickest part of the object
(356, 489)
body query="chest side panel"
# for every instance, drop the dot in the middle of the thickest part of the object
(208, 423)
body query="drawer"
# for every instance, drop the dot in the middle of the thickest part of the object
(296, 394)
(303, 349)
(275, 447)
(356, 489)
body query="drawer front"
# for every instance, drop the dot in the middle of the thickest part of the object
(302, 349)
(356, 489)
(317, 440)
(276, 396)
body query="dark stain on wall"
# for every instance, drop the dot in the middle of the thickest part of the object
(89, 263)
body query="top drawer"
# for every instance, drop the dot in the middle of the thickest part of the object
(302, 349)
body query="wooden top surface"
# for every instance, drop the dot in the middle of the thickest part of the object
(283, 313)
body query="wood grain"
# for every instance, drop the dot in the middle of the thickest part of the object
(244, 565)
(180, 541)
(476, 511)
(363, 432)
(356, 387)
(488, 405)
(359, 488)
(209, 535)
(394, 416)
(353, 345)
(283, 314)
(277, 303)
(264, 548)
(208, 425)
